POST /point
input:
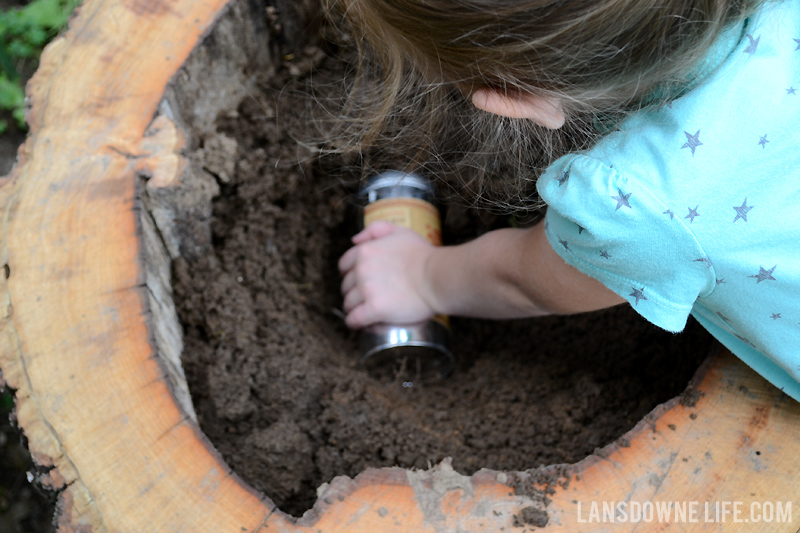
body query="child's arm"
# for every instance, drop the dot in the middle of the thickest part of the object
(393, 275)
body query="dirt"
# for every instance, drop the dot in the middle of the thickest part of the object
(273, 370)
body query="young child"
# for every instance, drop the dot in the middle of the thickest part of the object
(689, 205)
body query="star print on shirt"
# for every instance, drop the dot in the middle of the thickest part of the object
(604, 254)
(692, 213)
(791, 90)
(638, 294)
(705, 260)
(775, 316)
(692, 141)
(622, 199)
(563, 178)
(763, 141)
(742, 210)
(670, 213)
(798, 44)
(719, 281)
(751, 48)
(580, 229)
(764, 274)
(563, 243)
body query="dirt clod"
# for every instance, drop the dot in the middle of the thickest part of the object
(531, 516)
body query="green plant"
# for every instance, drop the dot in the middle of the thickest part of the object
(6, 401)
(23, 33)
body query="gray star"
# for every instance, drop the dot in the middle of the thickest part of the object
(742, 210)
(563, 243)
(705, 260)
(638, 294)
(580, 229)
(798, 44)
(622, 199)
(604, 253)
(692, 213)
(670, 213)
(751, 48)
(692, 141)
(763, 142)
(791, 90)
(720, 281)
(723, 317)
(564, 177)
(775, 316)
(763, 274)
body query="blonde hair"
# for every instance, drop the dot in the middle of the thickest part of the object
(419, 61)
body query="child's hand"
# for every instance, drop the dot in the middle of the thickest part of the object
(384, 277)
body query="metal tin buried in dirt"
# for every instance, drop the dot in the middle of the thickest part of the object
(405, 352)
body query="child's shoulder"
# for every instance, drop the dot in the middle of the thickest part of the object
(739, 120)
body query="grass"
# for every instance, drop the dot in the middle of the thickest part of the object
(24, 32)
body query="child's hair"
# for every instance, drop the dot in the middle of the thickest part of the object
(602, 57)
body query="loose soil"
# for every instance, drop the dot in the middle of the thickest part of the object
(273, 370)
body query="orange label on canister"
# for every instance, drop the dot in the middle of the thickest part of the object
(413, 213)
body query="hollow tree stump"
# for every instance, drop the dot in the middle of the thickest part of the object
(109, 189)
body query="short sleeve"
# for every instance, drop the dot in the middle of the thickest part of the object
(612, 227)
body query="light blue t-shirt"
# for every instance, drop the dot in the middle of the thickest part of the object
(694, 207)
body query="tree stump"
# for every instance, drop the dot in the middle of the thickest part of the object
(104, 197)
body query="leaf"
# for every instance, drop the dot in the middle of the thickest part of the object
(11, 94)
(23, 33)
(19, 115)
(37, 37)
(6, 65)
(20, 49)
(46, 13)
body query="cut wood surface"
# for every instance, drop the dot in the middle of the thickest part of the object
(91, 349)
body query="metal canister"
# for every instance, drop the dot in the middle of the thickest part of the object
(405, 352)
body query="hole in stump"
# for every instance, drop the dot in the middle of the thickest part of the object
(273, 372)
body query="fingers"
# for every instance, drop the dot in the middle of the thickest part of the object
(376, 230)
(359, 313)
(372, 269)
(348, 282)
(360, 317)
(353, 304)
(348, 260)
(352, 298)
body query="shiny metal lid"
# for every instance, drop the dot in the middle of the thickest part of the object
(394, 183)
